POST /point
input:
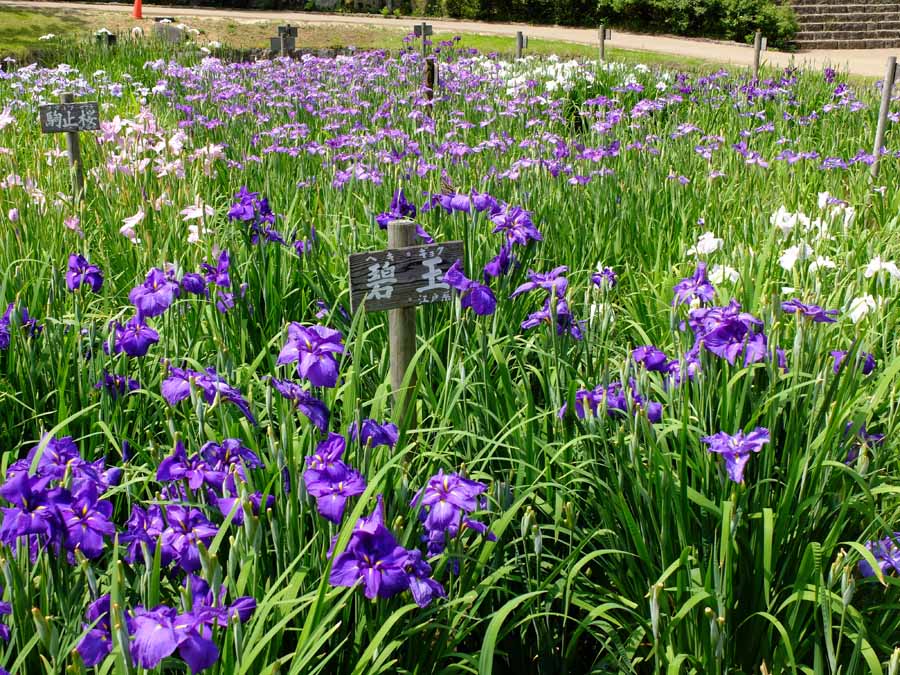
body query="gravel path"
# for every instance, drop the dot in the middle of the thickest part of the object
(869, 62)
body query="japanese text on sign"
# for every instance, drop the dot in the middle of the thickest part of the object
(69, 117)
(402, 277)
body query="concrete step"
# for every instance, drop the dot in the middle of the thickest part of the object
(869, 17)
(873, 10)
(837, 4)
(849, 35)
(848, 27)
(862, 43)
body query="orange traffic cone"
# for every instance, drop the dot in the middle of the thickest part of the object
(138, 7)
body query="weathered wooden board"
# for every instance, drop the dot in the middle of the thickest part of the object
(402, 277)
(57, 117)
(429, 30)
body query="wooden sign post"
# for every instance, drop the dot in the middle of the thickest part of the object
(421, 30)
(430, 77)
(399, 279)
(71, 118)
(757, 49)
(605, 34)
(520, 43)
(886, 90)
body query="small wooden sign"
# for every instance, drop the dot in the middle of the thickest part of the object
(428, 29)
(287, 30)
(60, 117)
(402, 277)
(608, 34)
(763, 44)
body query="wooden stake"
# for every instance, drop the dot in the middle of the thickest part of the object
(430, 77)
(757, 48)
(602, 42)
(520, 43)
(73, 149)
(424, 47)
(886, 90)
(402, 331)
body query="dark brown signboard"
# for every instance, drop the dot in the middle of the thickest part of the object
(418, 29)
(402, 277)
(69, 117)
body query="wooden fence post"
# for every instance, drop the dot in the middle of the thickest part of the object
(402, 328)
(73, 150)
(886, 90)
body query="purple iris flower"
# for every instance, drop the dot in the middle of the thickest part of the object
(144, 528)
(736, 449)
(5, 609)
(552, 282)
(446, 498)
(651, 357)
(56, 458)
(862, 438)
(82, 272)
(314, 409)
(313, 348)
(220, 274)
(332, 486)
(244, 208)
(374, 560)
(134, 338)
(230, 452)
(565, 321)
(186, 528)
(422, 587)
(372, 434)
(87, 521)
(195, 471)
(695, 286)
(327, 452)
(97, 642)
(4, 327)
(117, 385)
(29, 324)
(33, 509)
(252, 209)
(616, 399)
(155, 295)
(814, 312)
(482, 201)
(194, 283)
(157, 633)
(606, 278)
(501, 263)
(515, 222)
(177, 387)
(254, 501)
(866, 359)
(400, 208)
(212, 609)
(729, 333)
(450, 202)
(445, 503)
(887, 556)
(471, 293)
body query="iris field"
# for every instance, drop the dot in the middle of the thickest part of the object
(655, 431)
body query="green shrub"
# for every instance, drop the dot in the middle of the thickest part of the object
(462, 9)
(728, 19)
